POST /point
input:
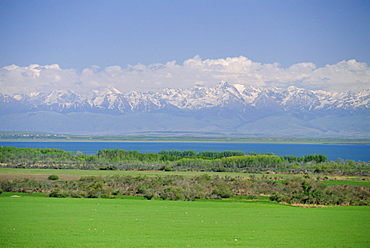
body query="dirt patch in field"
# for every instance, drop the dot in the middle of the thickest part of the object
(5, 177)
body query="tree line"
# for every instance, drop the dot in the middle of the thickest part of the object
(224, 161)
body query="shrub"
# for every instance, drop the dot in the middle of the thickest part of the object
(148, 196)
(221, 169)
(115, 191)
(163, 196)
(58, 194)
(108, 168)
(141, 190)
(53, 177)
(222, 190)
(173, 193)
(252, 196)
(279, 197)
(166, 168)
(78, 194)
(179, 197)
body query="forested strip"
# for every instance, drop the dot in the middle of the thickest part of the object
(231, 161)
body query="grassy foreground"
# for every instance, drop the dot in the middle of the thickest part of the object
(30, 221)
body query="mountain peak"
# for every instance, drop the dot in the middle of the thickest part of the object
(225, 108)
(110, 90)
(199, 97)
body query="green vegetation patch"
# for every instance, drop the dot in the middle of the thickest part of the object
(293, 190)
(364, 183)
(173, 160)
(44, 173)
(68, 222)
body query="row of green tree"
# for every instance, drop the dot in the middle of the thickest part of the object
(291, 190)
(231, 161)
(117, 155)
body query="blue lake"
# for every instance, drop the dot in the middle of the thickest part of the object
(333, 152)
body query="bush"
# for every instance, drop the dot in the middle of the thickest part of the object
(141, 190)
(221, 169)
(58, 194)
(222, 190)
(174, 193)
(166, 168)
(78, 194)
(252, 196)
(179, 197)
(148, 196)
(53, 177)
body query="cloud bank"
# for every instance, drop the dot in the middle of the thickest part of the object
(343, 76)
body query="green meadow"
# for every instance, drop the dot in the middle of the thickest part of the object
(80, 173)
(33, 220)
(37, 221)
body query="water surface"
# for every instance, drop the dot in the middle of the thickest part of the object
(333, 152)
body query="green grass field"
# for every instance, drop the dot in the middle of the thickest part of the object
(76, 172)
(31, 221)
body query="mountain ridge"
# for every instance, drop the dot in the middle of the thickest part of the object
(195, 98)
(226, 109)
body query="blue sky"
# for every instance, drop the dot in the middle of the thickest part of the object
(80, 34)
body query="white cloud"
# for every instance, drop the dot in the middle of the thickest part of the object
(35, 77)
(343, 76)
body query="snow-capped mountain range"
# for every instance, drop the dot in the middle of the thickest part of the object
(224, 95)
(225, 108)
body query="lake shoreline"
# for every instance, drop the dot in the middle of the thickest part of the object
(302, 141)
(356, 152)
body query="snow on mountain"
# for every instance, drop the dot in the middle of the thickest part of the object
(223, 95)
(225, 109)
